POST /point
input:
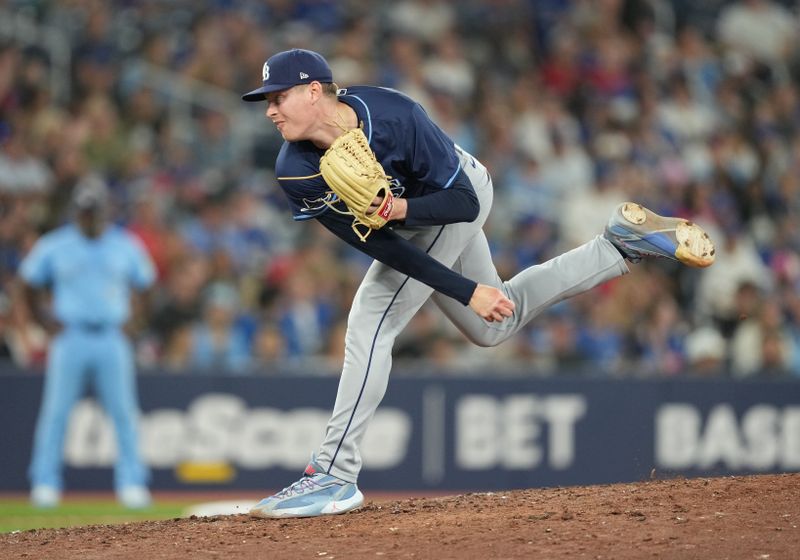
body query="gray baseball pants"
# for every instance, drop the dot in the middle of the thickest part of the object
(387, 300)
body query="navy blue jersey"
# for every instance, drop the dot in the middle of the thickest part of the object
(424, 167)
(418, 156)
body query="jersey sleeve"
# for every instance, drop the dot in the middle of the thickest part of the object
(386, 246)
(431, 153)
(143, 272)
(459, 203)
(300, 179)
(36, 268)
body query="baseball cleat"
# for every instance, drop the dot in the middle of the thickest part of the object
(43, 496)
(638, 233)
(316, 493)
(134, 497)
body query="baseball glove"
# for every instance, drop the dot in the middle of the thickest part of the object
(354, 174)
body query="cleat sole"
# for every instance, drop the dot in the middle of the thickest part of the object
(634, 213)
(694, 246)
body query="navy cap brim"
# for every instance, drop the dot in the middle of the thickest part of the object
(260, 94)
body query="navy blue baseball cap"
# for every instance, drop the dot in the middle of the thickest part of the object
(291, 68)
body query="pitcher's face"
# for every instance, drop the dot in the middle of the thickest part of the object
(291, 110)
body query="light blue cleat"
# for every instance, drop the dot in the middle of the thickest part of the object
(316, 493)
(638, 233)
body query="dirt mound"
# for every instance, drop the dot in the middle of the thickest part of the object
(753, 517)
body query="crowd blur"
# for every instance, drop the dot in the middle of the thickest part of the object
(691, 108)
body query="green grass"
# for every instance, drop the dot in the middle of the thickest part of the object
(18, 515)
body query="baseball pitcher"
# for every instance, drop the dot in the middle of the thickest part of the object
(370, 165)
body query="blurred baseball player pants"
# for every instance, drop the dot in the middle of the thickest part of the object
(104, 358)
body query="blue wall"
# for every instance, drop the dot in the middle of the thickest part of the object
(429, 433)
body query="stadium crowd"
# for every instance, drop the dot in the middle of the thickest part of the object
(691, 108)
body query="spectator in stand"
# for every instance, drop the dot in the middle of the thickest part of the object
(739, 265)
(447, 69)
(762, 345)
(269, 347)
(661, 339)
(218, 343)
(177, 304)
(425, 19)
(22, 174)
(758, 31)
(305, 317)
(706, 352)
(176, 349)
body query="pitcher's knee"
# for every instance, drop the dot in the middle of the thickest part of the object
(487, 337)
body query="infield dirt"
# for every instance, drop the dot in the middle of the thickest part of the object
(754, 517)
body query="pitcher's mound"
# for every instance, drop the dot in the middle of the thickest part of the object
(753, 517)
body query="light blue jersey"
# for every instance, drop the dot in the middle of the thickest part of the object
(90, 278)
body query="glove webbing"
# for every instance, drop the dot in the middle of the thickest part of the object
(363, 162)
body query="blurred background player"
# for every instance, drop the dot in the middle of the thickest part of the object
(89, 267)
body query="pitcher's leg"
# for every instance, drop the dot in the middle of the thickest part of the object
(532, 290)
(383, 305)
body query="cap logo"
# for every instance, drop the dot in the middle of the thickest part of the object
(265, 72)
(303, 75)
